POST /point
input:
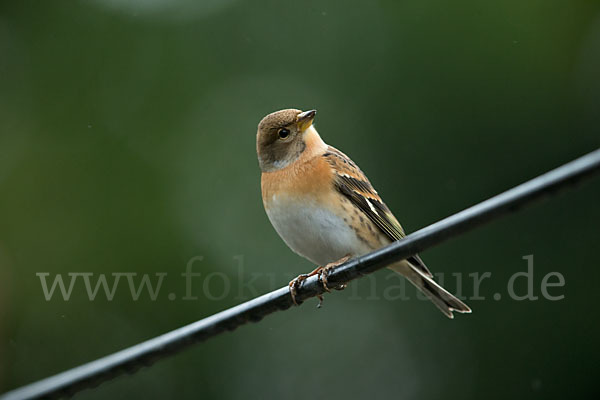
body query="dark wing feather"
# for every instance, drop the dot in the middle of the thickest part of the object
(352, 183)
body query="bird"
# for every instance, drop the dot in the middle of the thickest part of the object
(324, 207)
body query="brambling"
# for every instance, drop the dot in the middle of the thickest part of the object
(324, 207)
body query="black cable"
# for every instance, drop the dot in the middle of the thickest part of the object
(144, 354)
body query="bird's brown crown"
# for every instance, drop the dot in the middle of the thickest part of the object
(280, 138)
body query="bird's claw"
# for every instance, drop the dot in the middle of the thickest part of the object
(322, 273)
(295, 284)
(320, 297)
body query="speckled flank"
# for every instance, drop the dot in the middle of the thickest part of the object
(366, 231)
(352, 183)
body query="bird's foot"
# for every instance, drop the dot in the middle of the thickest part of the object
(295, 284)
(324, 273)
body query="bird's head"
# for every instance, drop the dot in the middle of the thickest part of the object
(282, 137)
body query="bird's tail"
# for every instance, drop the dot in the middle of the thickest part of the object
(419, 276)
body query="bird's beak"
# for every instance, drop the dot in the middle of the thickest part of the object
(305, 119)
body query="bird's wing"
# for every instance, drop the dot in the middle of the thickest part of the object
(351, 182)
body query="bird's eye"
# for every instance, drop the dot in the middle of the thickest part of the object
(283, 133)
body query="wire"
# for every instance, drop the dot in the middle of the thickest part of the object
(146, 353)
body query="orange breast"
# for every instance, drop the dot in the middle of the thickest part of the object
(304, 178)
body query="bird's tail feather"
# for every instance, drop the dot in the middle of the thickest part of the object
(442, 299)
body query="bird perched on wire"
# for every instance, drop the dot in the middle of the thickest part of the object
(324, 207)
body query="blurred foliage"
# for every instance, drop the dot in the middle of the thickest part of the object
(127, 144)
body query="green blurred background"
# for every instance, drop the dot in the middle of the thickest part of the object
(127, 144)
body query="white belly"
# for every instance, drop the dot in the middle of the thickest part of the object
(312, 231)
